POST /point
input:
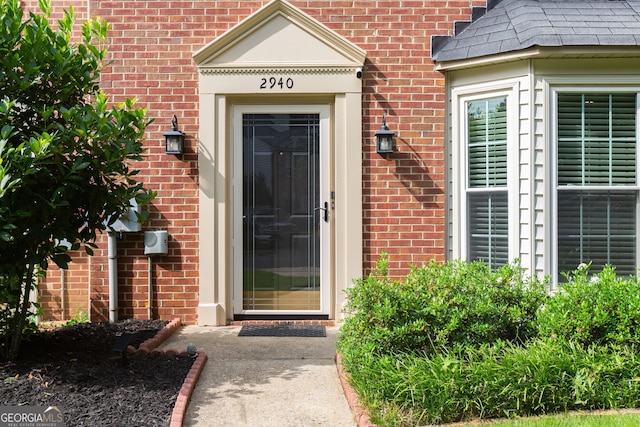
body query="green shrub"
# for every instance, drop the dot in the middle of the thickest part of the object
(441, 305)
(456, 341)
(501, 380)
(597, 309)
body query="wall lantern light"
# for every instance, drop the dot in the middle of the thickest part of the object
(384, 138)
(174, 138)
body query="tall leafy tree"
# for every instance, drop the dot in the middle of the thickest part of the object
(65, 153)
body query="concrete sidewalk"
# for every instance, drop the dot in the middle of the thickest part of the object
(264, 381)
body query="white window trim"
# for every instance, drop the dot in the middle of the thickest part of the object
(582, 87)
(459, 177)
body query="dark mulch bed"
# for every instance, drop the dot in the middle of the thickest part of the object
(76, 369)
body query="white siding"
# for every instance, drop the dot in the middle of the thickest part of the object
(524, 181)
(540, 159)
(514, 79)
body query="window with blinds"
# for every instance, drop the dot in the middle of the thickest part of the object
(596, 178)
(487, 207)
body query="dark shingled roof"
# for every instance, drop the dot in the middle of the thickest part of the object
(513, 25)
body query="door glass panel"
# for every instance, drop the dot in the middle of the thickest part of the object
(281, 189)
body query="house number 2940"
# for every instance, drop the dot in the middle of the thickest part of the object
(275, 82)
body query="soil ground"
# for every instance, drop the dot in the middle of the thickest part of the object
(76, 369)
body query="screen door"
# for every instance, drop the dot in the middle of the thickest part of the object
(285, 213)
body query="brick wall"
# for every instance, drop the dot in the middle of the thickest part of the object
(151, 44)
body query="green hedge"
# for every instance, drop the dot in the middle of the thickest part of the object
(597, 309)
(442, 305)
(502, 380)
(456, 341)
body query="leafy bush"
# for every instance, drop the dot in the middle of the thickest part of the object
(597, 309)
(456, 341)
(441, 305)
(67, 152)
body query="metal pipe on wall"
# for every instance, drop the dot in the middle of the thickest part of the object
(63, 292)
(112, 254)
(150, 288)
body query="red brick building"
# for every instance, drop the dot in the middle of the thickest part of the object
(280, 199)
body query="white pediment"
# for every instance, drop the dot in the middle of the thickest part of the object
(279, 35)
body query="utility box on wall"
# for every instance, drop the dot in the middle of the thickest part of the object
(128, 222)
(156, 242)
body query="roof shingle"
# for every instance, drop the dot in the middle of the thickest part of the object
(514, 25)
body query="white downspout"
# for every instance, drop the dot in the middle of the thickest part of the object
(63, 293)
(150, 288)
(90, 278)
(112, 254)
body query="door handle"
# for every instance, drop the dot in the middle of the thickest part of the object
(325, 210)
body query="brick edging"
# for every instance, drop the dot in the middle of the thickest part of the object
(189, 384)
(359, 412)
(149, 347)
(161, 336)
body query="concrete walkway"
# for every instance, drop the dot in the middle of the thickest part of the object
(264, 381)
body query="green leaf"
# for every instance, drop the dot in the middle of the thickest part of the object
(62, 260)
(80, 165)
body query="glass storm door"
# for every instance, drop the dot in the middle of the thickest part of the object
(285, 213)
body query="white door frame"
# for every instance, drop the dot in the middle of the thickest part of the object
(238, 110)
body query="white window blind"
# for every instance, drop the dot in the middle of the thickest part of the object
(596, 158)
(487, 207)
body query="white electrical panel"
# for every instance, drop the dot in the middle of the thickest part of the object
(129, 221)
(156, 242)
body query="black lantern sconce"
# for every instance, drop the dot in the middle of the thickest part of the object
(385, 138)
(174, 139)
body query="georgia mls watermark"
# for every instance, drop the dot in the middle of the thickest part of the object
(31, 416)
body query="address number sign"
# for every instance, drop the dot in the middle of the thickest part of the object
(276, 83)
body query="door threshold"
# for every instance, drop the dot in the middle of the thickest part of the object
(277, 319)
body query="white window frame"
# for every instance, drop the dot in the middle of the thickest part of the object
(553, 161)
(459, 232)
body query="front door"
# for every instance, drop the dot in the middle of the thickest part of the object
(282, 210)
